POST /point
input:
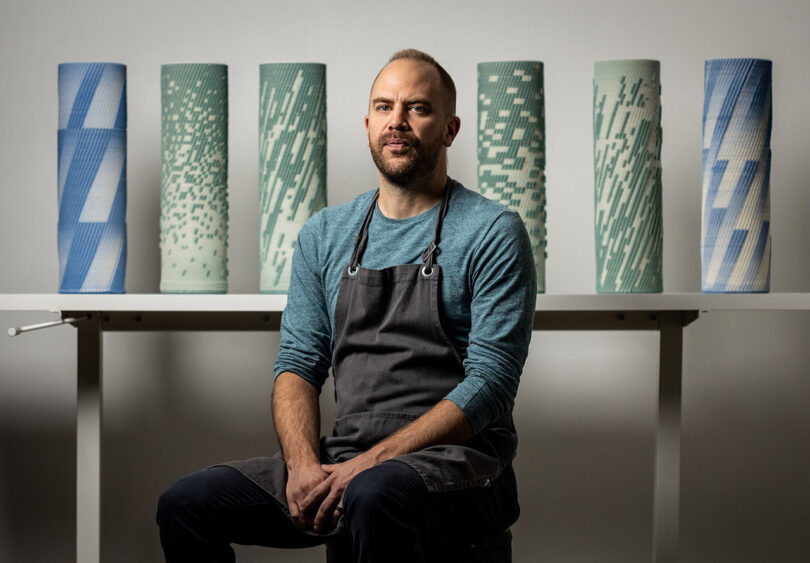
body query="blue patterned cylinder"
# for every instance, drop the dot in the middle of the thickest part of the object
(627, 176)
(92, 257)
(92, 175)
(512, 147)
(292, 162)
(92, 96)
(91, 186)
(735, 238)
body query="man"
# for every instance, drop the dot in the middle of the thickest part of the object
(420, 297)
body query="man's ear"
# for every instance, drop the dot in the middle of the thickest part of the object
(453, 125)
(365, 122)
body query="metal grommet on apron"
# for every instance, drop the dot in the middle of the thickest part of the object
(392, 362)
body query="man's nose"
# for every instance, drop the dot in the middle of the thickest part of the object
(399, 118)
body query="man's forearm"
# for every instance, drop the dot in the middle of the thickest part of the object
(445, 423)
(296, 415)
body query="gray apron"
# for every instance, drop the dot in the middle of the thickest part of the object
(392, 362)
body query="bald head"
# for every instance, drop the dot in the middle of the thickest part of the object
(447, 86)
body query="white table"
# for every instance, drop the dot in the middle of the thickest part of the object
(665, 313)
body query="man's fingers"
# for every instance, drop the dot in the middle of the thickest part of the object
(326, 510)
(295, 513)
(315, 495)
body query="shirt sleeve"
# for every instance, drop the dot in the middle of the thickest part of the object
(504, 293)
(306, 330)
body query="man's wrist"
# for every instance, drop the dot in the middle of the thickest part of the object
(301, 462)
(379, 453)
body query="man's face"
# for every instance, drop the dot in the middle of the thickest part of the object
(409, 123)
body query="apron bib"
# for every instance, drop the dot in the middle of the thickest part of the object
(392, 362)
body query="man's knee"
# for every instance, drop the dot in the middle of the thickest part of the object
(383, 490)
(186, 496)
(176, 496)
(364, 491)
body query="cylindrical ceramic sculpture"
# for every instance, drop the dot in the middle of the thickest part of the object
(92, 175)
(511, 145)
(292, 162)
(194, 183)
(735, 243)
(92, 96)
(627, 174)
(92, 180)
(93, 257)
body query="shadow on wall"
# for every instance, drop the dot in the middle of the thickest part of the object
(37, 491)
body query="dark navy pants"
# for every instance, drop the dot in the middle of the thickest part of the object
(390, 515)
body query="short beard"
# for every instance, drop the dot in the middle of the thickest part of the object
(420, 166)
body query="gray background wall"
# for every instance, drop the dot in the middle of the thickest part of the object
(178, 402)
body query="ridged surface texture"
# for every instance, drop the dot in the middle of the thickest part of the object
(735, 243)
(194, 181)
(292, 162)
(91, 178)
(92, 96)
(627, 176)
(512, 147)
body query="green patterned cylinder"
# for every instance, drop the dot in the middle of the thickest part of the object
(194, 182)
(512, 146)
(627, 172)
(292, 162)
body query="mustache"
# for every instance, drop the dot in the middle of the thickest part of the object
(389, 137)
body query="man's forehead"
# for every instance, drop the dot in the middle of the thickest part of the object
(406, 74)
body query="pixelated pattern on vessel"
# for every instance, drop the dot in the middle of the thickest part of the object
(511, 145)
(194, 182)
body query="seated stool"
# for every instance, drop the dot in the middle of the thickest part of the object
(494, 549)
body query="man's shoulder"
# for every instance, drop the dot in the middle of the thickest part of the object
(479, 212)
(341, 215)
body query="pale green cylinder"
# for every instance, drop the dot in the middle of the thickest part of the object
(292, 162)
(512, 147)
(194, 181)
(627, 173)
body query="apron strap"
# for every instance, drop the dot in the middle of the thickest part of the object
(427, 256)
(362, 239)
(430, 251)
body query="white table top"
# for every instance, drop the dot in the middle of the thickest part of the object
(144, 302)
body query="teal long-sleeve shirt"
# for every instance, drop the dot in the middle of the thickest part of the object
(487, 291)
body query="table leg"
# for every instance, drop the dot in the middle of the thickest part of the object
(88, 440)
(668, 439)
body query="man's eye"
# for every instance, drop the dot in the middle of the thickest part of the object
(382, 107)
(418, 109)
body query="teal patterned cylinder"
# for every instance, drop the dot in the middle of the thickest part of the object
(512, 146)
(194, 182)
(627, 173)
(292, 162)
